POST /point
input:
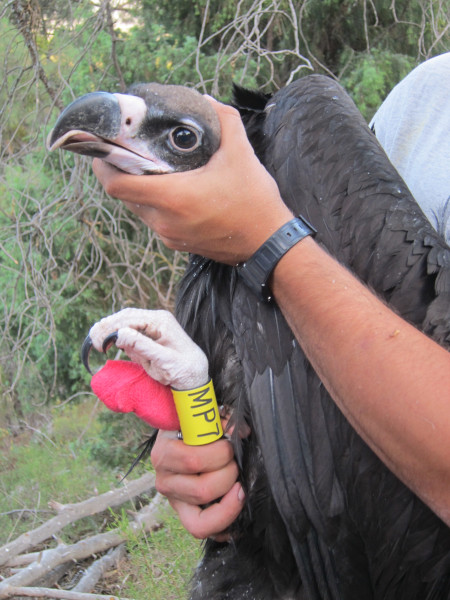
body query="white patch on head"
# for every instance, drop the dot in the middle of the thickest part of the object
(133, 110)
(133, 154)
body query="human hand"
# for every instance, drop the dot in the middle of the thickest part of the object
(192, 477)
(224, 210)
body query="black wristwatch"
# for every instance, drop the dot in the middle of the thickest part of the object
(257, 269)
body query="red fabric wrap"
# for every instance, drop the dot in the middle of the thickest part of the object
(124, 386)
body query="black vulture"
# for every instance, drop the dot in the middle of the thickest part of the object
(324, 518)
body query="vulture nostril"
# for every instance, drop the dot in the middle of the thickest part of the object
(128, 121)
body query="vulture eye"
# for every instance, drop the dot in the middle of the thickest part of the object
(185, 139)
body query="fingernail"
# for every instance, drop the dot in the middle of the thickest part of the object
(241, 494)
(208, 97)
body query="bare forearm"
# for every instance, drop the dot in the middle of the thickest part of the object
(390, 380)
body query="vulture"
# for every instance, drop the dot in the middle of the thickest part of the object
(324, 518)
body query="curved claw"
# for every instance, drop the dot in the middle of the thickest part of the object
(109, 341)
(87, 345)
(85, 350)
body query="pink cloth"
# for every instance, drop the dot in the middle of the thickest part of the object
(124, 386)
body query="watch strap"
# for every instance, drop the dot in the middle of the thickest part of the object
(257, 269)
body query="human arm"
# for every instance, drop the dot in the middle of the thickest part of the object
(390, 380)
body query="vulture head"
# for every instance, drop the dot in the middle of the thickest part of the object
(151, 129)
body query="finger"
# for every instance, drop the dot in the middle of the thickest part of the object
(104, 171)
(213, 520)
(141, 190)
(171, 454)
(197, 489)
(243, 432)
(232, 127)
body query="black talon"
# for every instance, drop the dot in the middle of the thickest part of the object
(85, 350)
(87, 345)
(109, 341)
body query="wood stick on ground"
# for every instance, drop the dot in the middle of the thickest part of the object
(22, 559)
(145, 520)
(35, 592)
(98, 568)
(51, 578)
(70, 513)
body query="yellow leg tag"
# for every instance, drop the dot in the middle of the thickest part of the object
(199, 415)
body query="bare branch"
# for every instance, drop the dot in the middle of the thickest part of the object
(145, 520)
(98, 568)
(23, 17)
(36, 592)
(114, 41)
(70, 513)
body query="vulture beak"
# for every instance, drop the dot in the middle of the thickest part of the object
(107, 126)
(87, 345)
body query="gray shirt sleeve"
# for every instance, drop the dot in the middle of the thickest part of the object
(413, 126)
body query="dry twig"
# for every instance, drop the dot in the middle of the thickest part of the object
(98, 568)
(69, 513)
(147, 519)
(36, 592)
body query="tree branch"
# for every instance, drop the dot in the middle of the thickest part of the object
(114, 40)
(36, 592)
(23, 20)
(70, 513)
(98, 568)
(145, 520)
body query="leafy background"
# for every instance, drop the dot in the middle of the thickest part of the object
(69, 254)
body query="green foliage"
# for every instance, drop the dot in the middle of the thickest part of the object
(161, 564)
(51, 464)
(119, 440)
(189, 18)
(373, 76)
(45, 314)
(155, 54)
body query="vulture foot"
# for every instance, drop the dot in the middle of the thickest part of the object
(155, 340)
